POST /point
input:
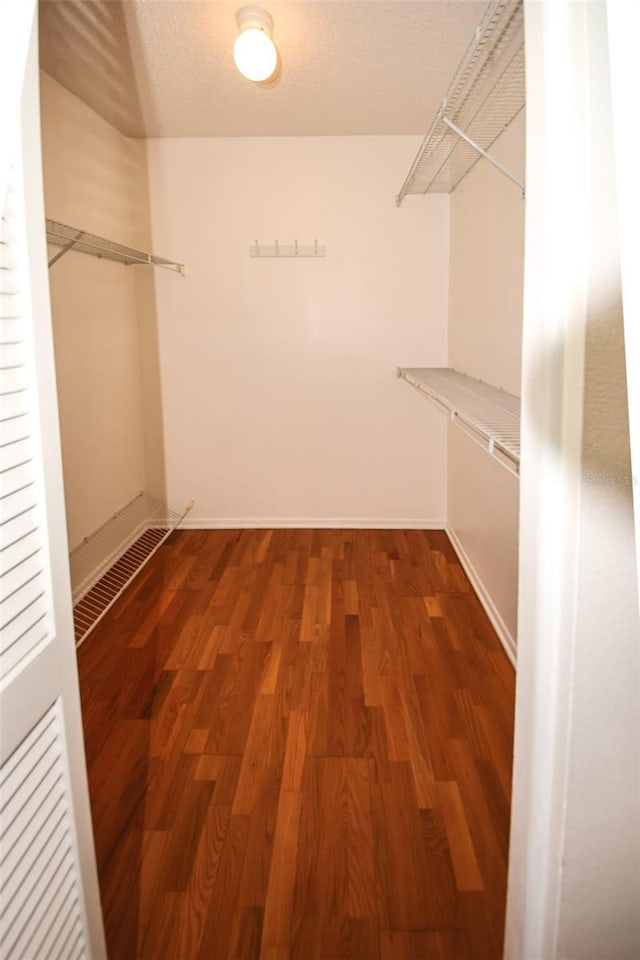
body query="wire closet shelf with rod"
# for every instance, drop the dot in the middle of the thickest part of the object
(81, 241)
(486, 94)
(489, 416)
(106, 562)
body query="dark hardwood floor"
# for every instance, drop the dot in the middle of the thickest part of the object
(299, 746)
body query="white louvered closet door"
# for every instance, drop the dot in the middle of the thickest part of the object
(49, 901)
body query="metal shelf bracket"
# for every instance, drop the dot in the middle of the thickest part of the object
(68, 246)
(484, 153)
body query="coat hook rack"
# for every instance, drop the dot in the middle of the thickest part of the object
(278, 249)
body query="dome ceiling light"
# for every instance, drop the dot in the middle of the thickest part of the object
(254, 52)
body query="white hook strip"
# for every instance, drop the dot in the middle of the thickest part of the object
(281, 250)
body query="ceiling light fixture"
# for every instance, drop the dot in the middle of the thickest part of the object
(254, 52)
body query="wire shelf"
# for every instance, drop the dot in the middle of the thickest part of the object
(72, 238)
(485, 95)
(106, 562)
(490, 416)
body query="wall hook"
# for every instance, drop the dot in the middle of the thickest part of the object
(294, 248)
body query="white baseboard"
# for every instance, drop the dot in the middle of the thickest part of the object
(505, 636)
(309, 523)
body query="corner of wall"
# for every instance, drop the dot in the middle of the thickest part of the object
(486, 255)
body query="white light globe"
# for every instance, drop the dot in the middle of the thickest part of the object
(254, 54)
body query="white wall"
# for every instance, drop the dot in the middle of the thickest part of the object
(625, 80)
(485, 330)
(600, 892)
(574, 873)
(487, 263)
(280, 401)
(91, 179)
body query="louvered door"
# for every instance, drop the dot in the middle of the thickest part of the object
(40, 902)
(24, 624)
(49, 902)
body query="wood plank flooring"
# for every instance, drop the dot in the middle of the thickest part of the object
(299, 748)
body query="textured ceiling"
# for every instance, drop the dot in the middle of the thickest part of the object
(164, 68)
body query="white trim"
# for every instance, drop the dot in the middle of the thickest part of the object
(566, 276)
(15, 36)
(310, 523)
(505, 636)
(623, 23)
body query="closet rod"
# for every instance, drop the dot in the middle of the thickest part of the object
(72, 238)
